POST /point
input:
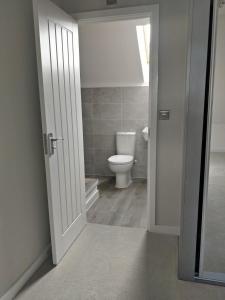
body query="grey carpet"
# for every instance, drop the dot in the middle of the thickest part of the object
(214, 254)
(117, 263)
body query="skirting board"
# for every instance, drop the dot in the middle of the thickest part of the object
(92, 198)
(171, 230)
(219, 277)
(17, 286)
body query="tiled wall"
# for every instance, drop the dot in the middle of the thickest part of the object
(106, 111)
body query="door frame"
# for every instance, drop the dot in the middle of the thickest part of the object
(128, 13)
(209, 276)
(196, 95)
(203, 274)
(199, 86)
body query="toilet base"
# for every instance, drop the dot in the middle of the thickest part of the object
(123, 180)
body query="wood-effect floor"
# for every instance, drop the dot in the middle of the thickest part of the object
(120, 207)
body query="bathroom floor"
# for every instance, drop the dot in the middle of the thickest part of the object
(120, 207)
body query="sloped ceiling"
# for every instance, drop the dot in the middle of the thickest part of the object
(109, 54)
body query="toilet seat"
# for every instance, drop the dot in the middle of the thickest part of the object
(120, 159)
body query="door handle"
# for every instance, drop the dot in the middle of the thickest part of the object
(51, 143)
(57, 139)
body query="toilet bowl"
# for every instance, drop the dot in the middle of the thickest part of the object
(121, 164)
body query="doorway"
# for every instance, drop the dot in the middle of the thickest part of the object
(118, 53)
(115, 95)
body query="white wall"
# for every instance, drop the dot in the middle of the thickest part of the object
(109, 54)
(218, 119)
(173, 33)
(24, 228)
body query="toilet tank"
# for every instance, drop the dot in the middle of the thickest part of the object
(125, 143)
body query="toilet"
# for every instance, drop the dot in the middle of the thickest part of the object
(122, 163)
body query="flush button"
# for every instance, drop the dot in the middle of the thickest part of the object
(164, 115)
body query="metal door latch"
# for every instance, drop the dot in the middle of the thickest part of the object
(50, 143)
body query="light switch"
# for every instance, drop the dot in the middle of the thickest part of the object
(164, 115)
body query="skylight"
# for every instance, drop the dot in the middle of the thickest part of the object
(143, 36)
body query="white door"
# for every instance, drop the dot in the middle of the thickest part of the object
(59, 83)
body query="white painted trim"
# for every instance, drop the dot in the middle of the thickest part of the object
(213, 276)
(115, 14)
(194, 109)
(163, 229)
(112, 84)
(91, 198)
(17, 286)
(137, 12)
(218, 150)
(208, 139)
(153, 118)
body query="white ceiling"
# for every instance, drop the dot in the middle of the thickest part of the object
(109, 54)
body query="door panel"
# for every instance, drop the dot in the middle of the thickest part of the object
(59, 83)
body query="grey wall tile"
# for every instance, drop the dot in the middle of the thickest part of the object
(87, 95)
(106, 127)
(136, 94)
(135, 125)
(88, 141)
(141, 155)
(107, 111)
(103, 154)
(107, 95)
(87, 110)
(87, 127)
(102, 169)
(104, 142)
(89, 168)
(135, 111)
(89, 155)
(139, 171)
(101, 166)
(140, 142)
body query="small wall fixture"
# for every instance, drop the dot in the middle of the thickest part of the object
(221, 3)
(164, 115)
(111, 2)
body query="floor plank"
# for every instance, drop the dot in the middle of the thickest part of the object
(120, 207)
(214, 255)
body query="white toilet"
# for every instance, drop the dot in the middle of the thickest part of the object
(122, 163)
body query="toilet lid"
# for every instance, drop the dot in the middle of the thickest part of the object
(120, 159)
